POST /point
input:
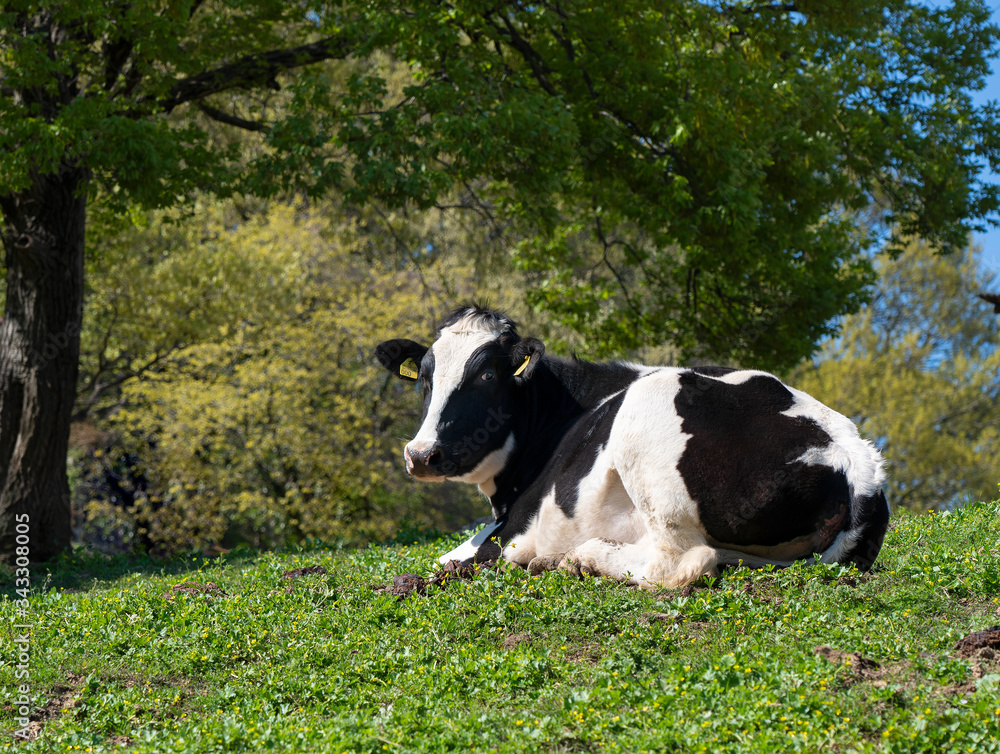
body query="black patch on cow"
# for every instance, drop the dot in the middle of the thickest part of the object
(426, 380)
(869, 516)
(392, 353)
(583, 444)
(488, 550)
(712, 371)
(427, 370)
(476, 416)
(739, 463)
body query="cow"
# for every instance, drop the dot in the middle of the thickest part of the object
(651, 475)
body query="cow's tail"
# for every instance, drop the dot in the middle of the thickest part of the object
(736, 558)
(861, 541)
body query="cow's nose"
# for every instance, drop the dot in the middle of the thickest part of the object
(423, 460)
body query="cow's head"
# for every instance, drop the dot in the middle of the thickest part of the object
(470, 377)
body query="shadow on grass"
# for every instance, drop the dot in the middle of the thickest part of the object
(82, 568)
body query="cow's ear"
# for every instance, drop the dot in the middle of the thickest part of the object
(402, 357)
(526, 356)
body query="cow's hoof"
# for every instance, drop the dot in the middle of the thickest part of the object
(577, 567)
(541, 563)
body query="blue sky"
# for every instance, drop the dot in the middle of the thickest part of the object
(989, 241)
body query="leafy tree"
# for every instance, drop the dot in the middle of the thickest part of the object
(86, 93)
(917, 369)
(699, 166)
(163, 282)
(694, 170)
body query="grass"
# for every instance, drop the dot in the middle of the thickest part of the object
(812, 658)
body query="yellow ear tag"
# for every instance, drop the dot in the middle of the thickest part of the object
(409, 369)
(522, 367)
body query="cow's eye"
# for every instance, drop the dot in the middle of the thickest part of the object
(487, 375)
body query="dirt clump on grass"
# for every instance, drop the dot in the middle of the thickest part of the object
(982, 648)
(455, 569)
(984, 644)
(513, 641)
(296, 573)
(405, 584)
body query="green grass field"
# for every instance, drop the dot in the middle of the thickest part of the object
(812, 658)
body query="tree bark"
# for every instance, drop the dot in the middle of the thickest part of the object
(43, 239)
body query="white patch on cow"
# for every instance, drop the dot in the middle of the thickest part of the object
(644, 563)
(452, 350)
(741, 376)
(487, 469)
(646, 444)
(475, 323)
(621, 560)
(848, 452)
(555, 532)
(469, 548)
(603, 507)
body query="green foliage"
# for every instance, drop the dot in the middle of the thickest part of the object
(917, 369)
(88, 83)
(692, 174)
(696, 171)
(510, 663)
(248, 404)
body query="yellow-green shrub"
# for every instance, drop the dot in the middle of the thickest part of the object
(275, 425)
(917, 369)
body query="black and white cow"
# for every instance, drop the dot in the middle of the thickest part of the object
(651, 474)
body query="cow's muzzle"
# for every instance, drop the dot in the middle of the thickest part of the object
(425, 462)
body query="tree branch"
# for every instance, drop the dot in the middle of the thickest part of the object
(230, 120)
(86, 405)
(539, 68)
(257, 70)
(116, 52)
(618, 277)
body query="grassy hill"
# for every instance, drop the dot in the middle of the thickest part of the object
(230, 654)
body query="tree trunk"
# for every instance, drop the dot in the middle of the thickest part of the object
(43, 239)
